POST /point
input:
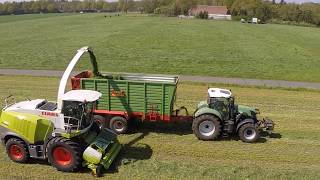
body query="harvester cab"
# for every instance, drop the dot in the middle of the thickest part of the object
(219, 115)
(62, 132)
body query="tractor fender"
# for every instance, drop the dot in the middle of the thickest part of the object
(245, 122)
(206, 110)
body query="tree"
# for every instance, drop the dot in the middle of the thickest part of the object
(123, 5)
(51, 8)
(35, 7)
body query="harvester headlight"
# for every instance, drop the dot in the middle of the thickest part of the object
(91, 155)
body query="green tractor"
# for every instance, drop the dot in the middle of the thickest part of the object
(220, 116)
(64, 132)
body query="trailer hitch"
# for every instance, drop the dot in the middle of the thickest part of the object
(177, 111)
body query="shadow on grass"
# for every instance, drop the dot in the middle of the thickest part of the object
(185, 128)
(177, 128)
(132, 152)
(263, 137)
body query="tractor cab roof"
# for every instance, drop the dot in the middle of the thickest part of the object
(218, 93)
(81, 96)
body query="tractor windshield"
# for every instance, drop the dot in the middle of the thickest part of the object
(77, 115)
(220, 104)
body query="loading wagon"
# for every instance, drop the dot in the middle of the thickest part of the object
(127, 97)
(132, 96)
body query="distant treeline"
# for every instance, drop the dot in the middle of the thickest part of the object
(264, 10)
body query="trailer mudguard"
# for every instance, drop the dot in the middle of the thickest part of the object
(207, 110)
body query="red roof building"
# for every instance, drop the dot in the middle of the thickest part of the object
(219, 10)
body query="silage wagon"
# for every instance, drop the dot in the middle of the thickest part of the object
(132, 96)
(127, 97)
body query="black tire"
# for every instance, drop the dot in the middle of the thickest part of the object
(100, 121)
(64, 154)
(206, 127)
(249, 133)
(99, 170)
(17, 150)
(118, 125)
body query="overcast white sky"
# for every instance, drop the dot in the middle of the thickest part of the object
(296, 1)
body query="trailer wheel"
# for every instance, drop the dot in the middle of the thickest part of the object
(206, 127)
(64, 154)
(119, 125)
(100, 121)
(249, 133)
(17, 150)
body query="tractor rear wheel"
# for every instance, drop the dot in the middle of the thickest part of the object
(119, 125)
(17, 150)
(249, 133)
(64, 154)
(206, 127)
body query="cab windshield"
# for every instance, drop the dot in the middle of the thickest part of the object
(222, 105)
(77, 115)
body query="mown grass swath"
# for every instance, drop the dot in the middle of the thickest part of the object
(172, 152)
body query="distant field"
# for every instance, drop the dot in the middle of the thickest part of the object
(162, 45)
(173, 152)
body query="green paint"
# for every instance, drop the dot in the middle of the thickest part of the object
(140, 96)
(207, 110)
(32, 128)
(105, 140)
(246, 110)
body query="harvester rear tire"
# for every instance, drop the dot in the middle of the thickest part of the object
(206, 127)
(118, 125)
(249, 133)
(17, 150)
(64, 154)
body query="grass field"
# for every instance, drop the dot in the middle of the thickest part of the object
(173, 152)
(162, 45)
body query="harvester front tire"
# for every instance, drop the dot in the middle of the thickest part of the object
(64, 154)
(206, 127)
(17, 150)
(118, 125)
(249, 133)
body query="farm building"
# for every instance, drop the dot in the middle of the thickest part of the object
(214, 12)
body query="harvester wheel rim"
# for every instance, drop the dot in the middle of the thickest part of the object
(207, 128)
(62, 156)
(16, 152)
(249, 133)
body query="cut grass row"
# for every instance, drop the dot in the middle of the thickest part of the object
(162, 45)
(172, 151)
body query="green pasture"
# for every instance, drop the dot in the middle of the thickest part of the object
(172, 152)
(139, 43)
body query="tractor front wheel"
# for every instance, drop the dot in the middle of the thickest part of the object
(206, 127)
(119, 125)
(249, 133)
(17, 150)
(64, 154)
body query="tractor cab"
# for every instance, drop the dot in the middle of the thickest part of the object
(222, 101)
(77, 109)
